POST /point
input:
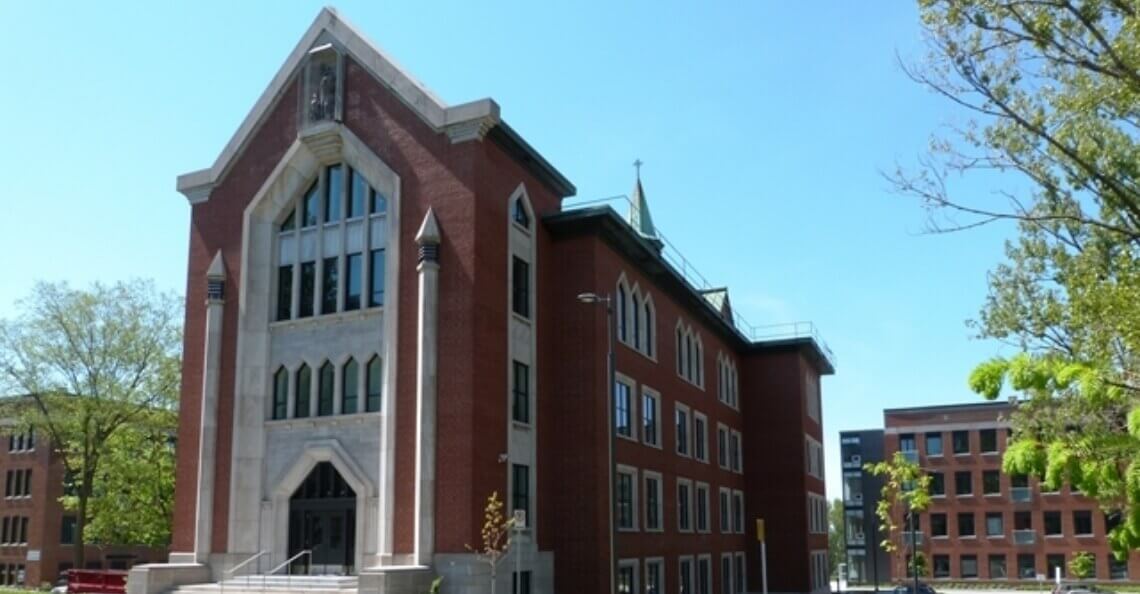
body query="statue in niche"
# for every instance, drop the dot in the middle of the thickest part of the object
(322, 101)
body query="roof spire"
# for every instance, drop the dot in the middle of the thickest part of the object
(639, 217)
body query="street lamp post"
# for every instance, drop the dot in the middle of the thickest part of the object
(611, 331)
(914, 550)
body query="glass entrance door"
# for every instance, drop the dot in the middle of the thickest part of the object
(322, 519)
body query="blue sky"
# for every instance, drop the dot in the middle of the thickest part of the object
(763, 127)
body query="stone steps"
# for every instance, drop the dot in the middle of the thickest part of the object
(277, 584)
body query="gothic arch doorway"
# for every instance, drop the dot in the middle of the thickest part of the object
(322, 519)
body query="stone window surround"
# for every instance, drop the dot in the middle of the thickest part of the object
(362, 360)
(634, 419)
(703, 439)
(698, 489)
(690, 343)
(633, 475)
(650, 474)
(638, 305)
(647, 392)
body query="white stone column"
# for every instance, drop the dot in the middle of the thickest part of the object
(426, 381)
(208, 430)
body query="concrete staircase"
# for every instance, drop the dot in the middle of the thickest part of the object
(276, 584)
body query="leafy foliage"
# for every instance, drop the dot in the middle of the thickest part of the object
(1052, 91)
(96, 371)
(496, 535)
(1083, 565)
(836, 534)
(906, 489)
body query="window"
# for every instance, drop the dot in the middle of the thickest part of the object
(987, 439)
(907, 443)
(933, 444)
(725, 509)
(654, 572)
(1117, 569)
(690, 355)
(991, 482)
(349, 387)
(997, 567)
(1053, 563)
(963, 486)
(281, 394)
(622, 313)
(627, 578)
(737, 463)
(650, 321)
(373, 382)
(961, 442)
(653, 501)
(738, 571)
(626, 496)
(623, 424)
(337, 208)
(325, 390)
(968, 565)
(376, 273)
(682, 415)
(1082, 523)
(813, 450)
(685, 571)
(941, 564)
(635, 311)
(520, 489)
(520, 582)
(67, 532)
(938, 525)
(738, 512)
(704, 574)
(520, 391)
(726, 574)
(995, 524)
(966, 525)
(5, 532)
(304, 390)
(23, 531)
(684, 505)
(1052, 520)
(811, 394)
(520, 283)
(1023, 520)
(700, 437)
(650, 418)
(519, 213)
(937, 484)
(702, 507)
(722, 446)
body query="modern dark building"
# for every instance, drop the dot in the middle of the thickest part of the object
(867, 562)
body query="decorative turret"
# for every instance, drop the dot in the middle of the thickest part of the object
(639, 217)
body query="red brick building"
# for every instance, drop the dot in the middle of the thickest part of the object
(37, 535)
(383, 328)
(984, 524)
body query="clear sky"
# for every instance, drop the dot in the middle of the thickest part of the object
(763, 127)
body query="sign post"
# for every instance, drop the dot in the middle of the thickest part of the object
(519, 526)
(763, 554)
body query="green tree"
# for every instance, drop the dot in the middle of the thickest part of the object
(1083, 565)
(496, 536)
(1051, 91)
(906, 490)
(836, 534)
(98, 373)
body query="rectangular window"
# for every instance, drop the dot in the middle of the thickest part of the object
(653, 575)
(961, 442)
(683, 506)
(627, 511)
(349, 387)
(1052, 520)
(623, 424)
(650, 418)
(1117, 569)
(997, 567)
(938, 525)
(376, 278)
(700, 437)
(682, 430)
(995, 524)
(520, 287)
(333, 187)
(987, 439)
(702, 507)
(520, 582)
(686, 575)
(8, 484)
(67, 530)
(24, 530)
(625, 580)
(284, 292)
(968, 565)
(937, 484)
(308, 289)
(725, 508)
(5, 531)
(738, 512)
(734, 452)
(963, 485)
(28, 488)
(352, 280)
(941, 565)
(1082, 523)
(325, 390)
(653, 502)
(991, 482)
(722, 446)
(358, 191)
(1053, 563)
(933, 444)
(304, 390)
(726, 574)
(704, 575)
(373, 383)
(520, 406)
(738, 572)
(966, 525)
(1026, 566)
(520, 489)
(907, 443)
(329, 281)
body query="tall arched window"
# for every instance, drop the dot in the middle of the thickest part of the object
(281, 393)
(349, 387)
(680, 351)
(375, 384)
(635, 309)
(688, 356)
(622, 313)
(650, 321)
(330, 247)
(304, 390)
(325, 390)
(519, 213)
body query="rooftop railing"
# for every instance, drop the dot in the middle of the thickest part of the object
(688, 272)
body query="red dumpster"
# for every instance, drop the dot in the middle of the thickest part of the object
(96, 581)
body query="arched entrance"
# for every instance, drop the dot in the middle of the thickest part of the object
(322, 519)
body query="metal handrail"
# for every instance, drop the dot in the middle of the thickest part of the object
(231, 571)
(286, 564)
